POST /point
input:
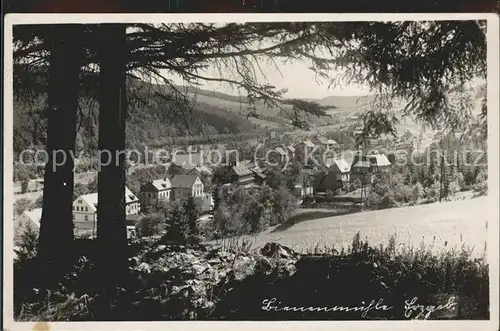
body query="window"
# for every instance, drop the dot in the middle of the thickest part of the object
(77, 208)
(86, 218)
(86, 208)
(79, 201)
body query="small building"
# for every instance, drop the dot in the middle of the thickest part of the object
(342, 169)
(337, 175)
(240, 175)
(364, 166)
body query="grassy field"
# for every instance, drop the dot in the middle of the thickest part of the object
(447, 224)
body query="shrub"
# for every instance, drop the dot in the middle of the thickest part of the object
(21, 205)
(283, 206)
(27, 246)
(308, 200)
(181, 220)
(151, 224)
(417, 192)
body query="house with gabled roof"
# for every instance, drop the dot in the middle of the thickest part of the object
(155, 192)
(240, 175)
(365, 165)
(184, 186)
(335, 177)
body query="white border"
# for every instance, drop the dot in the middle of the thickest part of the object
(493, 56)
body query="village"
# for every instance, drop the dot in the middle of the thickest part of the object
(190, 174)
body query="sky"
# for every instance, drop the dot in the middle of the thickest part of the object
(296, 77)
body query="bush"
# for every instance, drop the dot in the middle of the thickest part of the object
(308, 200)
(354, 185)
(231, 282)
(284, 205)
(151, 224)
(481, 186)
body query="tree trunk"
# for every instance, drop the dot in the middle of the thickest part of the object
(56, 228)
(111, 226)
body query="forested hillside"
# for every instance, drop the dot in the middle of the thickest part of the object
(154, 119)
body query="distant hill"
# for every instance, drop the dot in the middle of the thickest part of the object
(214, 113)
(348, 103)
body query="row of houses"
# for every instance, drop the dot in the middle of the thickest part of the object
(174, 188)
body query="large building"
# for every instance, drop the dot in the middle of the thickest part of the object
(85, 210)
(184, 186)
(175, 188)
(155, 192)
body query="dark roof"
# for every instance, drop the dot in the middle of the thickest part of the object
(183, 181)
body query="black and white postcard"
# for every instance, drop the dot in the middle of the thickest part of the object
(293, 171)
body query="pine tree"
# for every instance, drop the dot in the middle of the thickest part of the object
(191, 214)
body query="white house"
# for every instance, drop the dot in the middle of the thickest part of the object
(85, 210)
